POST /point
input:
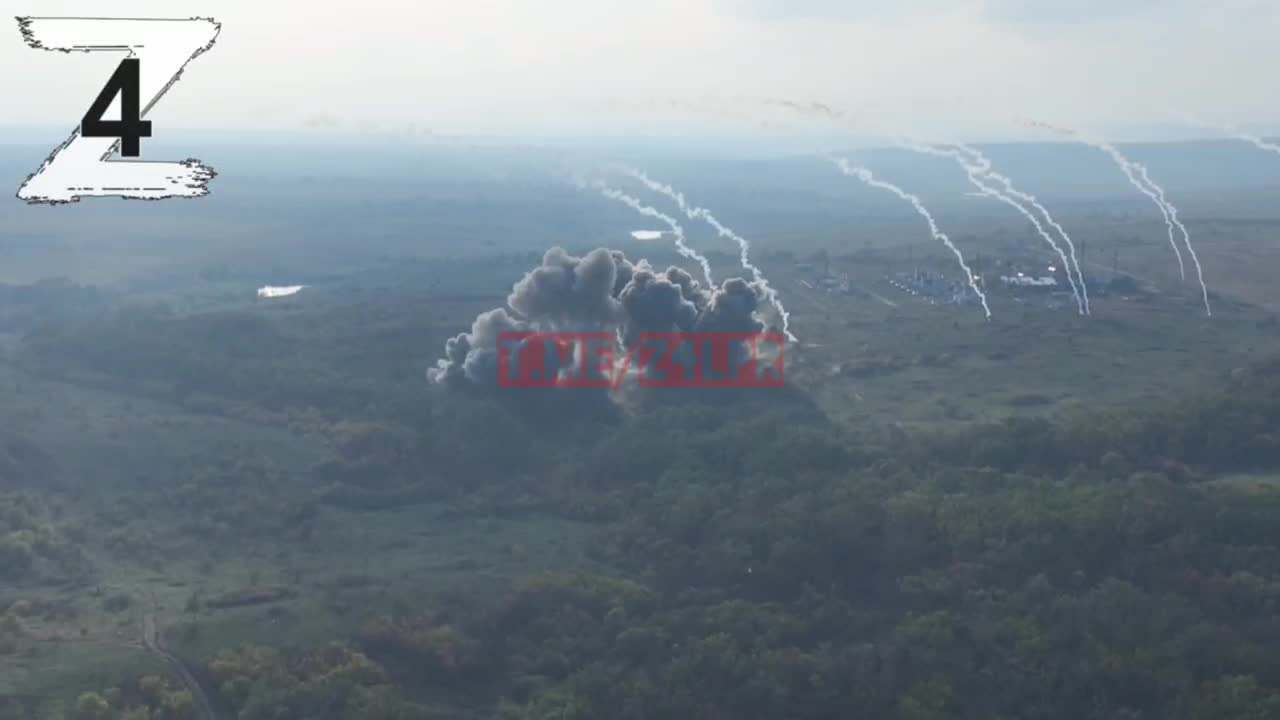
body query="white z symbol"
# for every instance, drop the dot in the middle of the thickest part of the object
(156, 52)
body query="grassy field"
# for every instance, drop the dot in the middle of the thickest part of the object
(892, 357)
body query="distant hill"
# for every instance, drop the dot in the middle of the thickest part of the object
(335, 196)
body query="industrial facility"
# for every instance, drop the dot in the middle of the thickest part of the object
(818, 276)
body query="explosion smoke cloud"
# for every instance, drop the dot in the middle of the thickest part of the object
(744, 247)
(600, 291)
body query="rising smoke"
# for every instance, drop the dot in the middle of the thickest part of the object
(601, 291)
(744, 247)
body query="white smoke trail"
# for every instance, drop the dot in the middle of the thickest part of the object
(1186, 237)
(1130, 171)
(1140, 179)
(975, 173)
(1239, 134)
(1254, 140)
(977, 167)
(744, 248)
(867, 177)
(676, 230)
(985, 166)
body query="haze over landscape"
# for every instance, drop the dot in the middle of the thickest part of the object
(966, 67)
(261, 456)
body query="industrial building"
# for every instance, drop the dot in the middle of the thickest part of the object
(820, 277)
(1024, 282)
(935, 288)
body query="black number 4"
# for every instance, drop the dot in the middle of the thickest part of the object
(130, 128)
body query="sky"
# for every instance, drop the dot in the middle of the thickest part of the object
(965, 69)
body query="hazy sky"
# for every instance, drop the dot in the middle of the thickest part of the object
(617, 66)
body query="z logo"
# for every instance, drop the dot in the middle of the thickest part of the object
(156, 52)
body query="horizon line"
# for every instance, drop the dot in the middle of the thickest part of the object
(430, 138)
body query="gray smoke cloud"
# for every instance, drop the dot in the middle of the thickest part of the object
(600, 291)
(659, 302)
(474, 355)
(731, 309)
(567, 293)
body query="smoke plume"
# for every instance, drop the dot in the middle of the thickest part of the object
(602, 291)
(744, 247)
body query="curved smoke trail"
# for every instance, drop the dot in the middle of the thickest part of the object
(1254, 140)
(1239, 134)
(984, 165)
(867, 177)
(676, 230)
(1130, 172)
(976, 169)
(975, 173)
(1140, 179)
(744, 248)
(1186, 237)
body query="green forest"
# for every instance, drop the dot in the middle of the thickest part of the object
(736, 555)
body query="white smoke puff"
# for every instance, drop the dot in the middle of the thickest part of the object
(272, 291)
